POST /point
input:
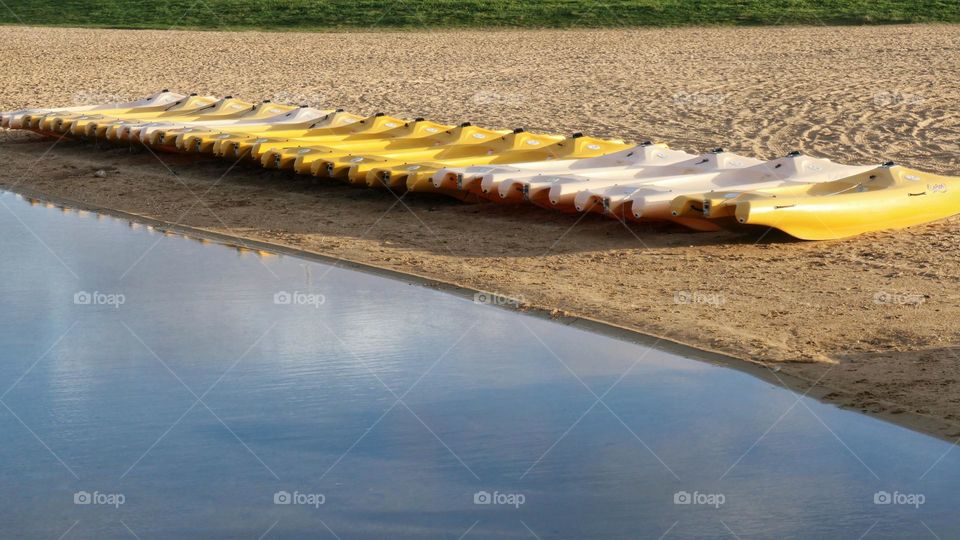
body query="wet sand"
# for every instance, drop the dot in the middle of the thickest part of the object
(872, 320)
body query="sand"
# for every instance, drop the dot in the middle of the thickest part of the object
(872, 320)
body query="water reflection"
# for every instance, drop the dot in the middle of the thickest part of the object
(203, 395)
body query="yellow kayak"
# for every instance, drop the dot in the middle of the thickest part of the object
(128, 129)
(235, 145)
(348, 165)
(165, 133)
(89, 125)
(376, 124)
(22, 119)
(888, 197)
(371, 135)
(465, 178)
(229, 113)
(577, 146)
(207, 138)
(300, 158)
(479, 147)
(59, 122)
(517, 145)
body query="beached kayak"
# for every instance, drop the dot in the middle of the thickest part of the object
(94, 126)
(165, 133)
(371, 134)
(203, 137)
(30, 118)
(262, 113)
(241, 143)
(563, 157)
(129, 128)
(458, 140)
(411, 134)
(784, 175)
(377, 123)
(886, 197)
(513, 147)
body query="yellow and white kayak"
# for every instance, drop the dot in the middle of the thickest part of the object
(94, 126)
(207, 139)
(235, 145)
(128, 129)
(261, 113)
(30, 118)
(886, 197)
(165, 133)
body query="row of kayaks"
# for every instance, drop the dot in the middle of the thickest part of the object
(807, 197)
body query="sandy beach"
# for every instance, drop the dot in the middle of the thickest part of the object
(871, 320)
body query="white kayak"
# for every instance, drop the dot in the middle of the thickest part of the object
(559, 189)
(608, 193)
(653, 201)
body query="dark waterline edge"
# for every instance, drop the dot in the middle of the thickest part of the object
(771, 374)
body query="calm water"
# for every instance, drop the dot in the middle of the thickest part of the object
(185, 396)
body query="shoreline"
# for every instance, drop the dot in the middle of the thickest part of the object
(799, 384)
(873, 316)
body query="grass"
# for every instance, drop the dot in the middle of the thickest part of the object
(355, 14)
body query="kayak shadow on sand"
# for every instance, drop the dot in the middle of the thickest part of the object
(243, 196)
